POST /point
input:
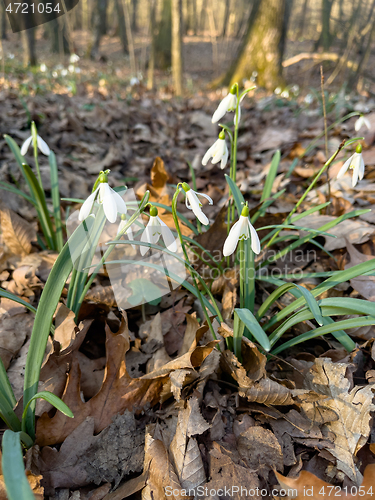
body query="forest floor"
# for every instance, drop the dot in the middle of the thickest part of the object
(156, 405)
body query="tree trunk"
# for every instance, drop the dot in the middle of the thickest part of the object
(134, 16)
(226, 18)
(100, 25)
(177, 45)
(122, 26)
(59, 36)
(164, 37)
(151, 61)
(28, 42)
(3, 27)
(202, 15)
(325, 39)
(303, 19)
(261, 48)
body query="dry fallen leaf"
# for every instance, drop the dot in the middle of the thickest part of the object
(17, 233)
(306, 485)
(351, 429)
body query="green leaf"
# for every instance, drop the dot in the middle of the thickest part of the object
(237, 195)
(15, 298)
(55, 192)
(41, 206)
(16, 483)
(271, 176)
(53, 400)
(254, 327)
(341, 277)
(6, 186)
(7, 401)
(20, 160)
(238, 329)
(330, 328)
(43, 319)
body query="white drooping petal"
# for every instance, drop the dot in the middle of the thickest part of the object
(109, 202)
(223, 107)
(210, 201)
(151, 234)
(361, 168)
(360, 122)
(367, 123)
(219, 151)
(168, 237)
(25, 146)
(224, 159)
(120, 203)
(195, 206)
(345, 167)
(255, 243)
(209, 153)
(87, 206)
(43, 146)
(356, 165)
(233, 237)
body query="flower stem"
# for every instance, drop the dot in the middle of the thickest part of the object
(193, 274)
(242, 259)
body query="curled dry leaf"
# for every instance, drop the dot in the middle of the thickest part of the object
(352, 428)
(17, 233)
(307, 485)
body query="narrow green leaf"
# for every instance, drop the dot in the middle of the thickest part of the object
(16, 483)
(55, 192)
(53, 400)
(43, 319)
(20, 160)
(330, 328)
(237, 195)
(41, 206)
(7, 401)
(254, 327)
(15, 298)
(238, 329)
(7, 186)
(271, 176)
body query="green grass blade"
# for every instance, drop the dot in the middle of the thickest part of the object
(254, 327)
(271, 176)
(237, 195)
(55, 193)
(7, 401)
(41, 206)
(43, 319)
(15, 298)
(53, 400)
(330, 328)
(348, 274)
(16, 483)
(7, 186)
(19, 158)
(238, 329)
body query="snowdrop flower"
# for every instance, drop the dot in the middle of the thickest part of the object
(360, 122)
(229, 103)
(218, 152)
(193, 203)
(154, 229)
(129, 231)
(356, 163)
(43, 68)
(241, 230)
(64, 72)
(42, 145)
(105, 195)
(71, 68)
(73, 58)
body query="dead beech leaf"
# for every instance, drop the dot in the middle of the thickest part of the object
(352, 428)
(17, 233)
(307, 485)
(184, 448)
(365, 285)
(84, 458)
(161, 473)
(102, 295)
(159, 176)
(260, 450)
(15, 327)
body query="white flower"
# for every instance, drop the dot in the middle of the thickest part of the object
(43, 68)
(129, 231)
(356, 163)
(111, 201)
(229, 103)
(71, 68)
(193, 203)
(64, 72)
(241, 230)
(154, 229)
(73, 58)
(360, 122)
(218, 152)
(42, 145)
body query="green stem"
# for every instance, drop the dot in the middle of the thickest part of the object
(193, 274)
(242, 259)
(300, 201)
(250, 278)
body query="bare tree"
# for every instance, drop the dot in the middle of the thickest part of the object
(28, 42)
(325, 39)
(122, 26)
(163, 38)
(100, 25)
(3, 25)
(177, 45)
